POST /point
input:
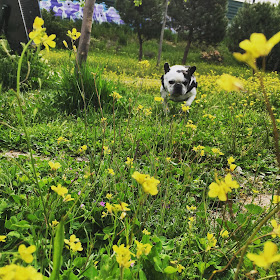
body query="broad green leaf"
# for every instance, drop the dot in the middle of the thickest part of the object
(170, 270)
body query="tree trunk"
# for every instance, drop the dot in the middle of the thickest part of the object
(140, 46)
(187, 49)
(162, 32)
(84, 42)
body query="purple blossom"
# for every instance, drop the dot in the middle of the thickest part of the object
(102, 203)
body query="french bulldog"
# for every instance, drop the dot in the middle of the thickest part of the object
(178, 84)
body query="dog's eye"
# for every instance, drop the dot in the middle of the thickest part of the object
(171, 82)
(185, 83)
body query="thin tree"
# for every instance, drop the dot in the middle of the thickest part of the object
(84, 42)
(162, 32)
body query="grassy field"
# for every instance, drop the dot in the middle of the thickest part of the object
(73, 183)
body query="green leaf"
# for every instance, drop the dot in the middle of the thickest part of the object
(142, 275)
(253, 209)
(157, 264)
(90, 272)
(170, 270)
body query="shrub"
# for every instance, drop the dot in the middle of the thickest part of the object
(212, 56)
(34, 73)
(90, 82)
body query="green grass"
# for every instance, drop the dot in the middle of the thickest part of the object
(162, 146)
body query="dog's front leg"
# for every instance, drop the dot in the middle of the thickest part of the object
(191, 98)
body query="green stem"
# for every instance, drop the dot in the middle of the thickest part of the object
(25, 129)
(249, 241)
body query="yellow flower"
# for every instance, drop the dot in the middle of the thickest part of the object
(74, 34)
(65, 43)
(267, 257)
(247, 58)
(16, 272)
(222, 187)
(217, 151)
(168, 159)
(191, 208)
(229, 83)
(123, 255)
(106, 150)
(54, 223)
(109, 207)
(3, 238)
(150, 186)
(61, 139)
(255, 191)
(123, 215)
(146, 232)
(111, 171)
(180, 268)
(68, 198)
(148, 183)
(276, 199)
(38, 22)
(185, 108)
(74, 243)
(224, 233)
(47, 41)
(231, 160)
(158, 99)
(232, 167)
(62, 191)
(129, 161)
(54, 165)
(26, 252)
(142, 249)
(121, 207)
(116, 95)
(258, 45)
(211, 241)
(109, 195)
(276, 229)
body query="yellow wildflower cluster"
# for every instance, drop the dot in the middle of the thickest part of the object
(116, 96)
(123, 255)
(74, 34)
(129, 162)
(221, 188)
(199, 149)
(17, 272)
(61, 139)
(39, 35)
(142, 249)
(224, 233)
(148, 183)
(62, 191)
(211, 241)
(73, 243)
(216, 151)
(191, 125)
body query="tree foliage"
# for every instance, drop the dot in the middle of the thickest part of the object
(256, 18)
(200, 20)
(145, 18)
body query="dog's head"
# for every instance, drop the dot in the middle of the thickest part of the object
(177, 79)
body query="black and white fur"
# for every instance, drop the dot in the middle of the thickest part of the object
(178, 84)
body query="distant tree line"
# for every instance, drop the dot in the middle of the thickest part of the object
(202, 21)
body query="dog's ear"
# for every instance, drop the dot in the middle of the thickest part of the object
(166, 67)
(191, 70)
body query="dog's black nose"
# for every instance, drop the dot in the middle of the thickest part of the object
(177, 90)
